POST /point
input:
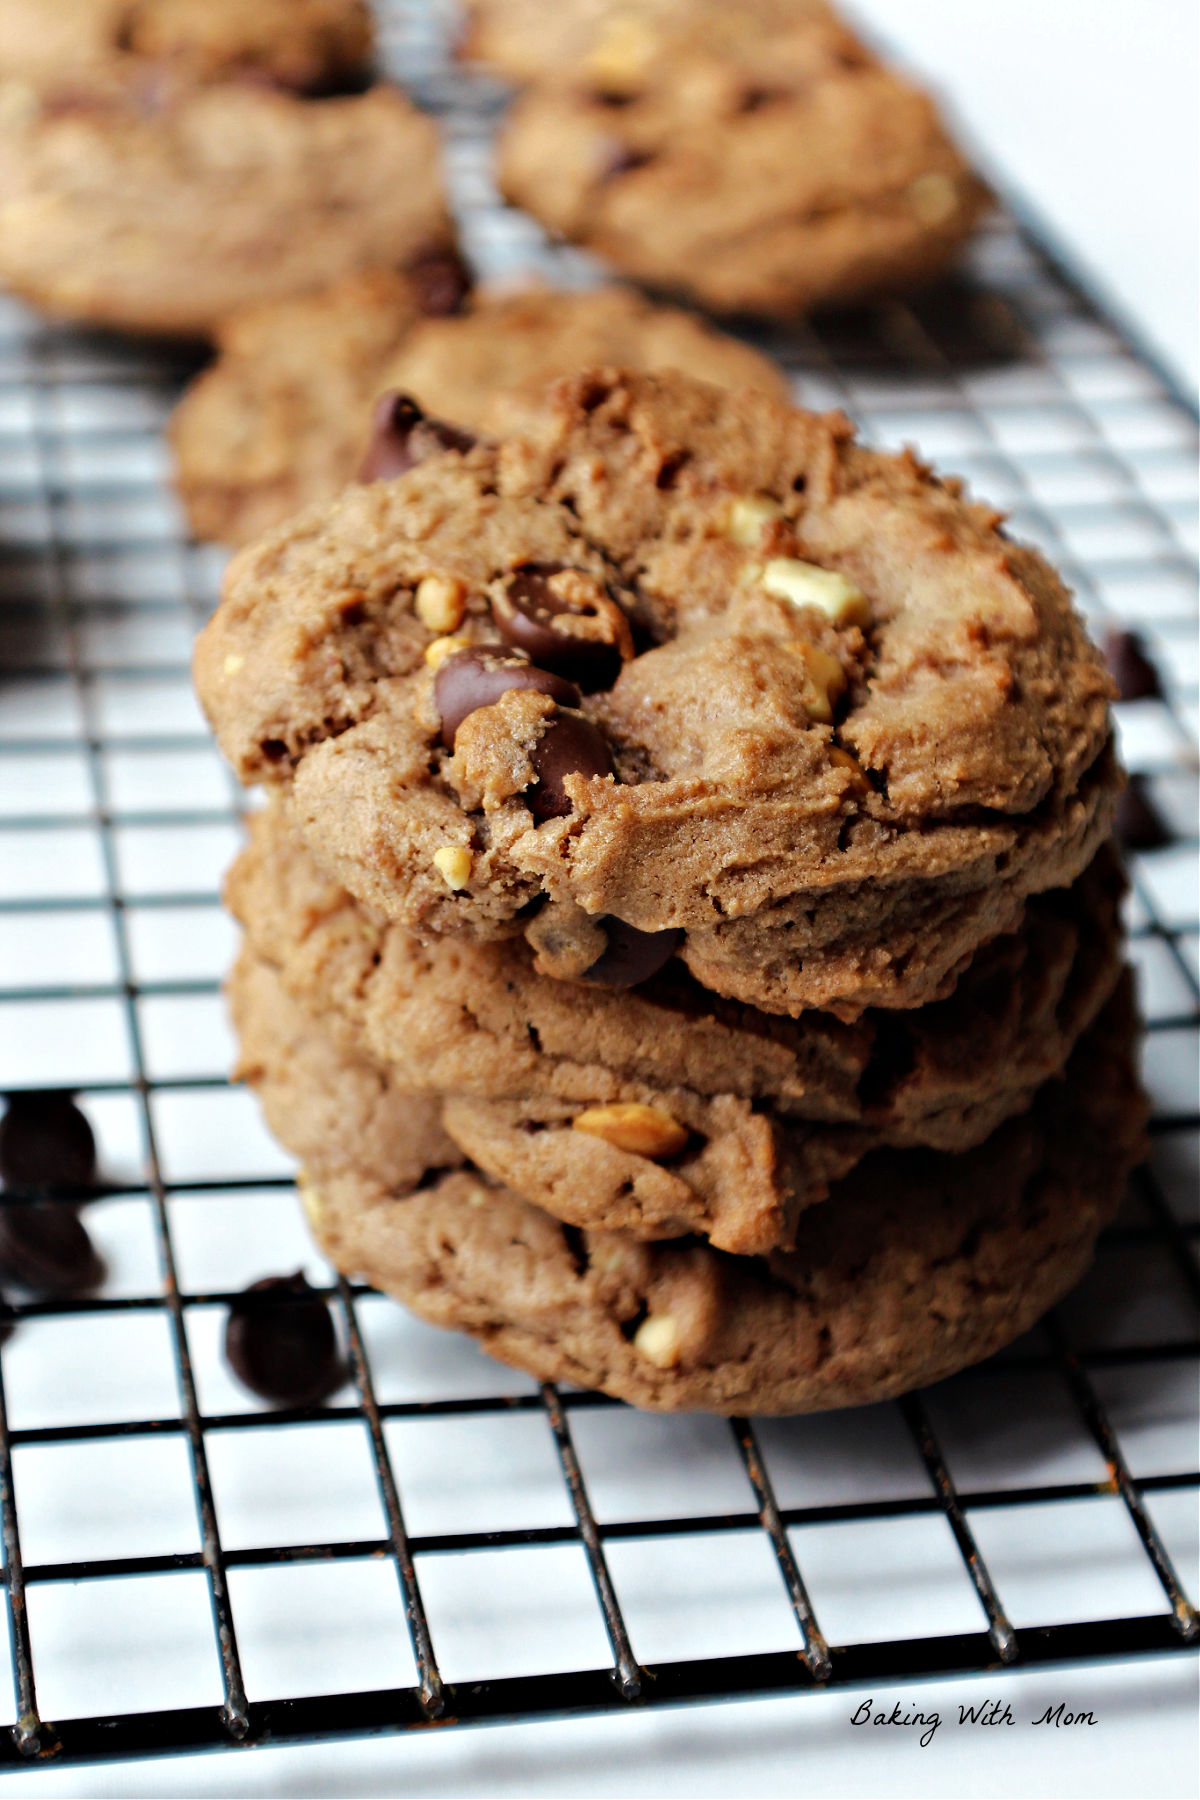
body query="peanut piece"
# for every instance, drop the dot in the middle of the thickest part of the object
(934, 198)
(442, 647)
(623, 50)
(440, 602)
(804, 584)
(822, 681)
(628, 1125)
(310, 1200)
(454, 865)
(748, 516)
(657, 1339)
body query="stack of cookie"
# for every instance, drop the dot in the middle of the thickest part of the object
(681, 942)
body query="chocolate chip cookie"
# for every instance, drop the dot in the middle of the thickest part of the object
(661, 1110)
(690, 661)
(749, 154)
(146, 203)
(282, 417)
(919, 1264)
(303, 44)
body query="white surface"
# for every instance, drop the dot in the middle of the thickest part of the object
(1087, 110)
(1076, 104)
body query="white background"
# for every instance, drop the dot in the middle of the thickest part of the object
(1088, 110)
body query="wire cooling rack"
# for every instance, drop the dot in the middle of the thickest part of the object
(446, 1540)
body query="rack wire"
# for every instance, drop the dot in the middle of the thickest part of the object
(496, 1548)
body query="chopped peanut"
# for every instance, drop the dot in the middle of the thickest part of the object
(454, 865)
(442, 647)
(748, 517)
(804, 584)
(934, 198)
(657, 1339)
(440, 603)
(628, 1125)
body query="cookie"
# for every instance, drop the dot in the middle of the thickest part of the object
(282, 417)
(303, 44)
(152, 205)
(919, 1264)
(660, 1110)
(809, 707)
(752, 156)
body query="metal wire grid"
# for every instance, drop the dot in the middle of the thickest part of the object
(1016, 378)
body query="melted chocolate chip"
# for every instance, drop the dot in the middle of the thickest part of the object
(281, 1344)
(525, 611)
(632, 956)
(45, 1142)
(442, 282)
(402, 437)
(44, 1246)
(1135, 675)
(1139, 824)
(474, 678)
(570, 745)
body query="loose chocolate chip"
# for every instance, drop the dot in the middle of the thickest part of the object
(525, 610)
(402, 437)
(632, 956)
(1140, 825)
(1135, 675)
(474, 678)
(570, 745)
(44, 1246)
(442, 282)
(281, 1344)
(45, 1142)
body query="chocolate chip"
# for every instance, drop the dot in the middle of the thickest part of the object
(632, 956)
(753, 99)
(45, 1142)
(570, 745)
(281, 1344)
(1135, 675)
(44, 1246)
(402, 437)
(442, 282)
(1140, 825)
(623, 159)
(525, 610)
(274, 749)
(473, 678)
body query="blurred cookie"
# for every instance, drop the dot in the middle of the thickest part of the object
(302, 44)
(282, 417)
(750, 155)
(146, 204)
(918, 1265)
